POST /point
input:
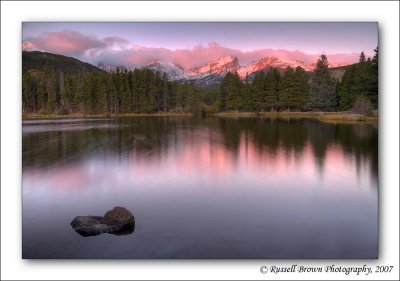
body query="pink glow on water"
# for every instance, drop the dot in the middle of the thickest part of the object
(208, 162)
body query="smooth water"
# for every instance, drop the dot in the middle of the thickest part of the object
(202, 188)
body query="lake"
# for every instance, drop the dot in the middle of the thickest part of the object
(202, 188)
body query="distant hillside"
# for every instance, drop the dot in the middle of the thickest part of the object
(337, 72)
(36, 61)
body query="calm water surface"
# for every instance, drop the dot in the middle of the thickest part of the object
(202, 188)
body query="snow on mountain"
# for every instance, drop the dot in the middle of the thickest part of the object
(174, 71)
(111, 68)
(307, 67)
(266, 63)
(260, 65)
(219, 67)
(213, 72)
(210, 74)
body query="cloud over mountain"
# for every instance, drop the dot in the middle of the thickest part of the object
(71, 43)
(118, 51)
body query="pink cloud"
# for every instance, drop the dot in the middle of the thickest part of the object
(138, 56)
(113, 40)
(69, 42)
(115, 50)
(27, 45)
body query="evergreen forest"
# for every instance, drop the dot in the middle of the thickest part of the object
(54, 90)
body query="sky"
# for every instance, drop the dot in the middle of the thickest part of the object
(195, 44)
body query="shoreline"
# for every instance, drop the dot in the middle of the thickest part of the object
(327, 117)
(30, 116)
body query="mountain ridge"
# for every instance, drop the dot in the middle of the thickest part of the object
(213, 72)
(208, 75)
(36, 60)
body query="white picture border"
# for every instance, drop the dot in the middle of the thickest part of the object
(14, 13)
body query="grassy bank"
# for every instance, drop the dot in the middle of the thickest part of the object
(79, 115)
(346, 118)
(329, 117)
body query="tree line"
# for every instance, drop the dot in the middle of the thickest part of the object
(359, 81)
(296, 90)
(51, 91)
(267, 92)
(134, 91)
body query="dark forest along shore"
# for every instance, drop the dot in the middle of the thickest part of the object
(47, 90)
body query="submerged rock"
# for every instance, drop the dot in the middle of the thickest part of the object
(119, 220)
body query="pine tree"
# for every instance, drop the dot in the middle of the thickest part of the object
(165, 91)
(232, 86)
(63, 94)
(373, 84)
(272, 86)
(301, 87)
(248, 97)
(361, 77)
(68, 92)
(79, 92)
(27, 93)
(287, 90)
(40, 88)
(181, 97)
(258, 91)
(192, 102)
(101, 95)
(50, 86)
(294, 88)
(322, 94)
(345, 93)
(127, 94)
(223, 92)
(171, 97)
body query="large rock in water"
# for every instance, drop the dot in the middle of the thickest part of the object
(116, 221)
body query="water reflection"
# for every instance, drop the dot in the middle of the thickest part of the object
(262, 188)
(215, 144)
